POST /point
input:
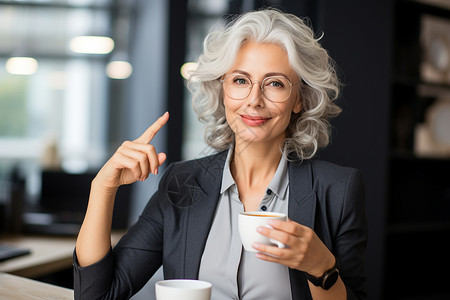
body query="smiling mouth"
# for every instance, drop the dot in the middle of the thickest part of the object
(254, 120)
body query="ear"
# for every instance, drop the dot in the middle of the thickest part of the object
(298, 105)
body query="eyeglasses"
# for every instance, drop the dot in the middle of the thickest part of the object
(274, 88)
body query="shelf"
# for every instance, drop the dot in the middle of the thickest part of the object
(409, 156)
(436, 90)
(414, 83)
(418, 227)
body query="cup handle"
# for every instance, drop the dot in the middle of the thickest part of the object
(278, 243)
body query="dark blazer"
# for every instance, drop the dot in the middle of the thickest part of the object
(174, 226)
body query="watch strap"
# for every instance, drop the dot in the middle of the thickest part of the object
(327, 280)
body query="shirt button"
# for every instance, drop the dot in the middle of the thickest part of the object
(269, 191)
(263, 208)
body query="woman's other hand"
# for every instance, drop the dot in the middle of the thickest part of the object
(133, 160)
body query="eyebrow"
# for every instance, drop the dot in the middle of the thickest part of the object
(266, 75)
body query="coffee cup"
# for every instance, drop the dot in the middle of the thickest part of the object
(186, 289)
(248, 222)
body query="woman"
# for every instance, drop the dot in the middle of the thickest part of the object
(264, 86)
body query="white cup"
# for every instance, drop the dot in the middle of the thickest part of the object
(248, 222)
(186, 289)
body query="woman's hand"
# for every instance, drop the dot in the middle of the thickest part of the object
(134, 160)
(304, 250)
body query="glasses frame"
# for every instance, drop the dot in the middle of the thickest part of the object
(252, 82)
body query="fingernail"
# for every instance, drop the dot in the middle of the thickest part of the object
(260, 229)
(155, 172)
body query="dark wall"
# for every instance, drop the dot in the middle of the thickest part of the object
(175, 90)
(358, 34)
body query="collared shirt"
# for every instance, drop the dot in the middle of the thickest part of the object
(234, 272)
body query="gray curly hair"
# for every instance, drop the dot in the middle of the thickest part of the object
(308, 130)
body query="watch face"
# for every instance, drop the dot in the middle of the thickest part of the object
(330, 280)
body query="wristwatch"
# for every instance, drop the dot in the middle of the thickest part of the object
(327, 280)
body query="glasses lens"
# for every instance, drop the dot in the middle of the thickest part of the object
(237, 86)
(276, 88)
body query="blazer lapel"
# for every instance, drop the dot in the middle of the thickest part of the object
(301, 209)
(302, 199)
(201, 215)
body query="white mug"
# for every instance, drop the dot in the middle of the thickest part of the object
(186, 289)
(248, 222)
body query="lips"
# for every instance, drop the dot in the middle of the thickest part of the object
(254, 120)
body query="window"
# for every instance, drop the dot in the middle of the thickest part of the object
(55, 116)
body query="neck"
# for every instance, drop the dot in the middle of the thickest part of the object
(254, 163)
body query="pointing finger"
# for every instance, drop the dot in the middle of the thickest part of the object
(148, 135)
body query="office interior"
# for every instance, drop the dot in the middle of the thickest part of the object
(64, 109)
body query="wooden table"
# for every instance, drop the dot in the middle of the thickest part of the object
(49, 254)
(20, 288)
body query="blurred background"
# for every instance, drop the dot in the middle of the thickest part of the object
(78, 77)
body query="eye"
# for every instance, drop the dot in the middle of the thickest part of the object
(241, 80)
(275, 83)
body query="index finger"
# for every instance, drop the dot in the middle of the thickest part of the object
(289, 226)
(148, 135)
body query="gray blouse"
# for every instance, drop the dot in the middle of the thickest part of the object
(234, 272)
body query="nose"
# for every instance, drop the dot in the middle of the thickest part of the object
(256, 96)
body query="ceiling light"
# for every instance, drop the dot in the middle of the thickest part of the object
(21, 65)
(119, 69)
(187, 68)
(92, 44)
